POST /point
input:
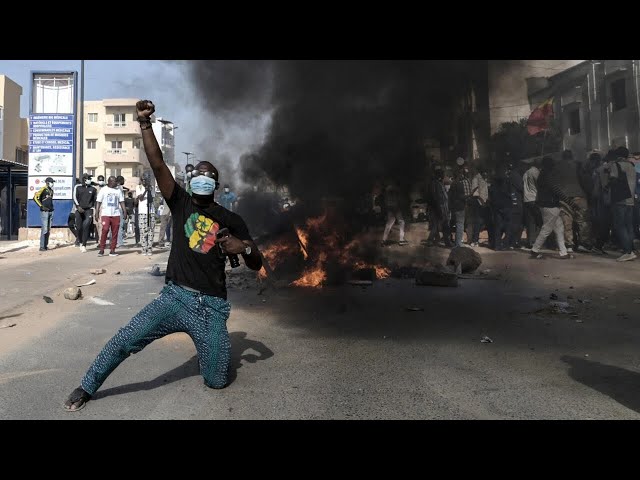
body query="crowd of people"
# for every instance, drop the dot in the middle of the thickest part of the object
(108, 211)
(590, 205)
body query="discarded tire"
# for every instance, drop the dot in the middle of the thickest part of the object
(437, 276)
(466, 257)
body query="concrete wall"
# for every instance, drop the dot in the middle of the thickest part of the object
(12, 124)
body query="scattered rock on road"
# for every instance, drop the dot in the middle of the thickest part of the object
(98, 271)
(72, 293)
(466, 258)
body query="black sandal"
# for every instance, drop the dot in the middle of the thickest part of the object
(79, 397)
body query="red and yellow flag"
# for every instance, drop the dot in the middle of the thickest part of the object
(539, 118)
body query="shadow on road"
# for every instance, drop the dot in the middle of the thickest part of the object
(621, 385)
(11, 316)
(239, 344)
(187, 369)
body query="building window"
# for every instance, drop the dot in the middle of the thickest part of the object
(21, 155)
(135, 172)
(90, 171)
(118, 118)
(92, 117)
(574, 122)
(116, 144)
(91, 143)
(137, 143)
(115, 172)
(618, 95)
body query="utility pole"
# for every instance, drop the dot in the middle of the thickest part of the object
(81, 111)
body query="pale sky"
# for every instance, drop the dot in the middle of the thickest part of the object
(168, 85)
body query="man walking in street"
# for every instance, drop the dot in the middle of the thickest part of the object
(439, 213)
(459, 195)
(549, 202)
(532, 215)
(228, 199)
(84, 199)
(194, 299)
(394, 214)
(146, 214)
(125, 190)
(44, 200)
(165, 224)
(109, 209)
(622, 184)
(478, 205)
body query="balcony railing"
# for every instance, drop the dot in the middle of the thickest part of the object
(124, 155)
(122, 128)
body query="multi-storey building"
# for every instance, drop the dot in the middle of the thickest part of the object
(163, 129)
(13, 158)
(113, 141)
(596, 104)
(13, 129)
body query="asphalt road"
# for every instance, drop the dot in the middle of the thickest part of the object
(357, 352)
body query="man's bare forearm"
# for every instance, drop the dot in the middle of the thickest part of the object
(166, 183)
(163, 176)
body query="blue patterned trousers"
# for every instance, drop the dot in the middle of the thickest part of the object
(202, 317)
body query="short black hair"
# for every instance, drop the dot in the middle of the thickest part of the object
(210, 165)
(622, 152)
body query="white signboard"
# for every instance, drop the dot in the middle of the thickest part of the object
(50, 163)
(62, 188)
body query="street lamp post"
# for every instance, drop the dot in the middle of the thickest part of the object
(187, 154)
(81, 112)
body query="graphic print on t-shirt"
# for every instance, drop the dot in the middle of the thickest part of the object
(201, 232)
(112, 200)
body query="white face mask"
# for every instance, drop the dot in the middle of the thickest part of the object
(87, 182)
(226, 190)
(49, 184)
(101, 183)
(203, 185)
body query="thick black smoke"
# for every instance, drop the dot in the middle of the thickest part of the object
(237, 96)
(338, 127)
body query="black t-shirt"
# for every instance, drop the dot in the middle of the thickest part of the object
(195, 260)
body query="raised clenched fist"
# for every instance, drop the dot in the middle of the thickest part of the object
(145, 108)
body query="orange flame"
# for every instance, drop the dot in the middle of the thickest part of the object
(382, 272)
(276, 253)
(304, 241)
(313, 277)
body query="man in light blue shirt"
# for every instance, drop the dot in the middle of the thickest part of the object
(228, 199)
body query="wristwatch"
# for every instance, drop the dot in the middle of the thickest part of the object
(247, 251)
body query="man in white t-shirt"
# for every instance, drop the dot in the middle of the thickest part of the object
(109, 207)
(146, 213)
